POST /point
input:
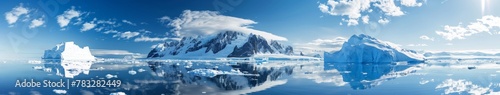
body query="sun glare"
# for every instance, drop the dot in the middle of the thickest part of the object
(482, 6)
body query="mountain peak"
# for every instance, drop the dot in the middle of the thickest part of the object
(224, 44)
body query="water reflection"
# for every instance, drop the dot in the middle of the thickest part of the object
(67, 68)
(179, 79)
(224, 78)
(367, 75)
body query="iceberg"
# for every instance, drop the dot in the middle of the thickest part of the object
(366, 49)
(68, 51)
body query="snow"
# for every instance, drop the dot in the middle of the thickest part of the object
(68, 51)
(196, 47)
(363, 48)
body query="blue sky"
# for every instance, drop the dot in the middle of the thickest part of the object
(118, 25)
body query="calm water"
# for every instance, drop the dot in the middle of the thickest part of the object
(197, 77)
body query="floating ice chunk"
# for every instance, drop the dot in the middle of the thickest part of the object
(37, 67)
(47, 69)
(451, 86)
(34, 61)
(58, 91)
(100, 68)
(141, 70)
(426, 81)
(118, 93)
(111, 76)
(132, 72)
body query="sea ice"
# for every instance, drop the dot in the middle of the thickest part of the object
(111, 76)
(118, 93)
(59, 91)
(132, 72)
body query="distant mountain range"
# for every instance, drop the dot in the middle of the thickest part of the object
(225, 44)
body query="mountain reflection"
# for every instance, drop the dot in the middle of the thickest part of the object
(252, 77)
(367, 75)
(67, 68)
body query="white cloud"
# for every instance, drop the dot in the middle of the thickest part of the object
(129, 22)
(351, 22)
(389, 8)
(110, 31)
(417, 45)
(320, 45)
(485, 24)
(126, 35)
(164, 19)
(13, 15)
(353, 9)
(449, 44)
(36, 23)
(153, 39)
(365, 19)
(87, 26)
(383, 21)
(424, 37)
(411, 3)
(200, 23)
(65, 18)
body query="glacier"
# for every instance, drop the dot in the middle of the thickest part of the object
(366, 49)
(224, 44)
(68, 51)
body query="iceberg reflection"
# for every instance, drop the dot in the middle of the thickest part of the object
(67, 68)
(367, 75)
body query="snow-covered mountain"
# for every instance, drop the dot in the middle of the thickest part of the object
(363, 48)
(68, 51)
(225, 44)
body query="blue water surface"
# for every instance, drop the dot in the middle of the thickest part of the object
(226, 77)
